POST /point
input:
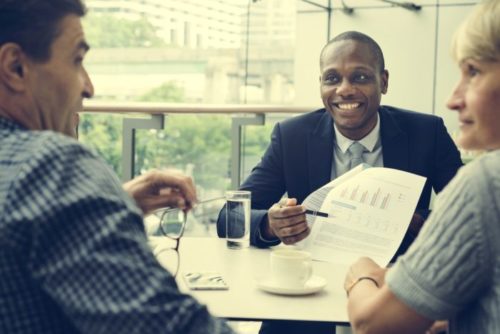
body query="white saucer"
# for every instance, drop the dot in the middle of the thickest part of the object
(314, 284)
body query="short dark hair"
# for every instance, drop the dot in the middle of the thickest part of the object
(34, 24)
(362, 38)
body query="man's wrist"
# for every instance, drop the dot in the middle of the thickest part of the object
(265, 229)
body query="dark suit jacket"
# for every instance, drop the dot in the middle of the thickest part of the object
(299, 159)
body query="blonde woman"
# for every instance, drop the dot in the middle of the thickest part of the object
(452, 271)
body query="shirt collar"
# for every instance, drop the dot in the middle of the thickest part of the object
(369, 141)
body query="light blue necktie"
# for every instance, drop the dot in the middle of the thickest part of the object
(356, 150)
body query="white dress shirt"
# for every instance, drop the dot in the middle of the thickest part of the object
(372, 154)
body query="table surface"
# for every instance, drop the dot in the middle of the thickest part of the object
(244, 300)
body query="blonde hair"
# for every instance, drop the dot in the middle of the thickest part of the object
(479, 35)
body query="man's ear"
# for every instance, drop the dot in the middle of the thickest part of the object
(385, 81)
(12, 67)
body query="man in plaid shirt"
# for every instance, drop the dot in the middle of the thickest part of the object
(73, 252)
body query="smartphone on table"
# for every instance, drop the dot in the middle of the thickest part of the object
(205, 280)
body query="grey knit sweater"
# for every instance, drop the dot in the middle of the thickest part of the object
(452, 271)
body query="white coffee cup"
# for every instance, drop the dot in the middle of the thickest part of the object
(290, 268)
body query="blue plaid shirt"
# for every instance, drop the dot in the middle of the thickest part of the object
(73, 252)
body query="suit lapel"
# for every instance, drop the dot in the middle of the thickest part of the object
(320, 151)
(394, 142)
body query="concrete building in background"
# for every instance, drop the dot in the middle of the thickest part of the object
(219, 51)
(210, 23)
(183, 23)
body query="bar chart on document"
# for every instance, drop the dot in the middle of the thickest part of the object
(378, 199)
(368, 216)
(353, 197)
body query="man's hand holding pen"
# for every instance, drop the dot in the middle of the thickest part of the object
(287, 221)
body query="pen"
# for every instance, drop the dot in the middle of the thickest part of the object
(316, 213)
(282, 202)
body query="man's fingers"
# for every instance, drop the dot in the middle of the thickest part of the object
(175, 179)
(287, 202)
(438, 327)
(279, 223)
(292, 230)
(172, 201)
(290, 240)
(277, 212)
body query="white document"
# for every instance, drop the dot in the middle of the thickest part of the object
(369, 211)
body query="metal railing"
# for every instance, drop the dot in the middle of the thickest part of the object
(241, 116)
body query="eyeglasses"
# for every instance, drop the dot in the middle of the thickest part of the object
(172, 225)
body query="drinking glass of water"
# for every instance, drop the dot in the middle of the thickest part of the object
(238, 219)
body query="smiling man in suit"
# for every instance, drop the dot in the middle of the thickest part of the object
(309, 150)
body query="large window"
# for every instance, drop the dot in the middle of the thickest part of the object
(188, 51)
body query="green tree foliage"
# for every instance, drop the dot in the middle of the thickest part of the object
(103, 134)
(109, 31)
(199, 144)
(256, 139)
